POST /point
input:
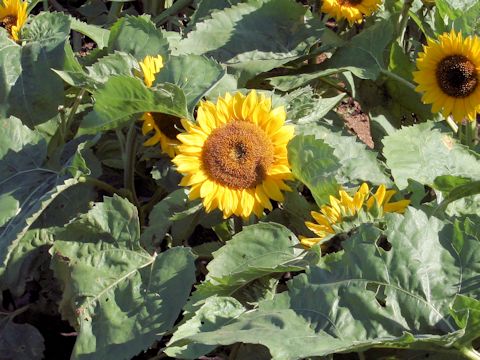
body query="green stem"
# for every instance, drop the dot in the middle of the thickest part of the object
(402, 25)
(102, 185)
(73, 110)
(470, 353)
(452, 124)
(158, 195)
(129, 162)
(336, 86)
(470, 133)
(394, 76)
(114, 12)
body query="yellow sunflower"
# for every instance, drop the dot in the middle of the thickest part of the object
(352, 10)
(331, 216)
(235, 158)
(13, 15)
(165, 126)
(449, 75)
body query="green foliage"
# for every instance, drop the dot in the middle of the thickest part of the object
(32, 92)
(422, 152)
(123, 96)
(240, 37)
(104, 272)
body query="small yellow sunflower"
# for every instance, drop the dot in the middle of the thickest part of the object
(330, 218)
(165, 126)
(235, 158)
(352, 10)
(449, 75)
(13, 15)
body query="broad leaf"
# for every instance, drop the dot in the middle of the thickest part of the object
(27, 186)
(195, 75)
(240, 37)
(139, 37)
(118, 296)
(363, 54)
(33, 91)
(124, 96)
(422, 152)
(96, 33)
(400, 297)
(314, 164)
(20, 341)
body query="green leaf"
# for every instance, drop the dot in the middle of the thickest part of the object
(320, 108)
(422, 152)
(124, 96)
(257, 251)
(160, 218)
(34, 92)
(240, 37)
(466, 312)
(119, 297)
(20, 341)
(314, 164)
(138, 36)
(195, 75)
(96, 33)
(363, 54)
(26, 186)
(460, 192)
(369, 296)
(446, 183)
(98, 74)
(214, 313)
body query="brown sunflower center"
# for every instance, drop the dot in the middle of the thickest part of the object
(457, 76)
(8, 22)
(238, 155)
(168, 124)
(350, 2)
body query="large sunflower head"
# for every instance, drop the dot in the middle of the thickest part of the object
(352, 10)
(235, 158)
(345, 212)
(165, 126)
(449, 75)
(13, 15)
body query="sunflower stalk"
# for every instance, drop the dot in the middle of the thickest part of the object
(400, 79)
(402, 25)
(469, 130)
(470, 353)
(66, 123)
(129, 164)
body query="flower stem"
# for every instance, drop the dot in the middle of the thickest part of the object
(402, 25)
(394, 76)
(470, 353)
(101, 185)
(452, 124)
(129, 163)
(73, 111)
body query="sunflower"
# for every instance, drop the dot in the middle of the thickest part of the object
(352, 10)
(330, 219)
(13, 14)
(235, 158)
(449, 74)
(165, 126)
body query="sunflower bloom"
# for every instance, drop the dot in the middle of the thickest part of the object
(331, 216)
(449, 75)
(352, 10)
(165, 126)
(13, 15)
(235, 158)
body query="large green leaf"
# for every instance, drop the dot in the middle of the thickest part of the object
(27, 186)
(119, 297)
(314, 164)
(371, 295)
(357, 161)
(363, 54)
(124, 96)
(195, 75)
(34, 92)
(422, 152)
(98, 74)
(96, 33)
(257, 251)
(241, 37)
(138, 36)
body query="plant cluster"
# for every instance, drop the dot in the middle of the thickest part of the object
(177, 179)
